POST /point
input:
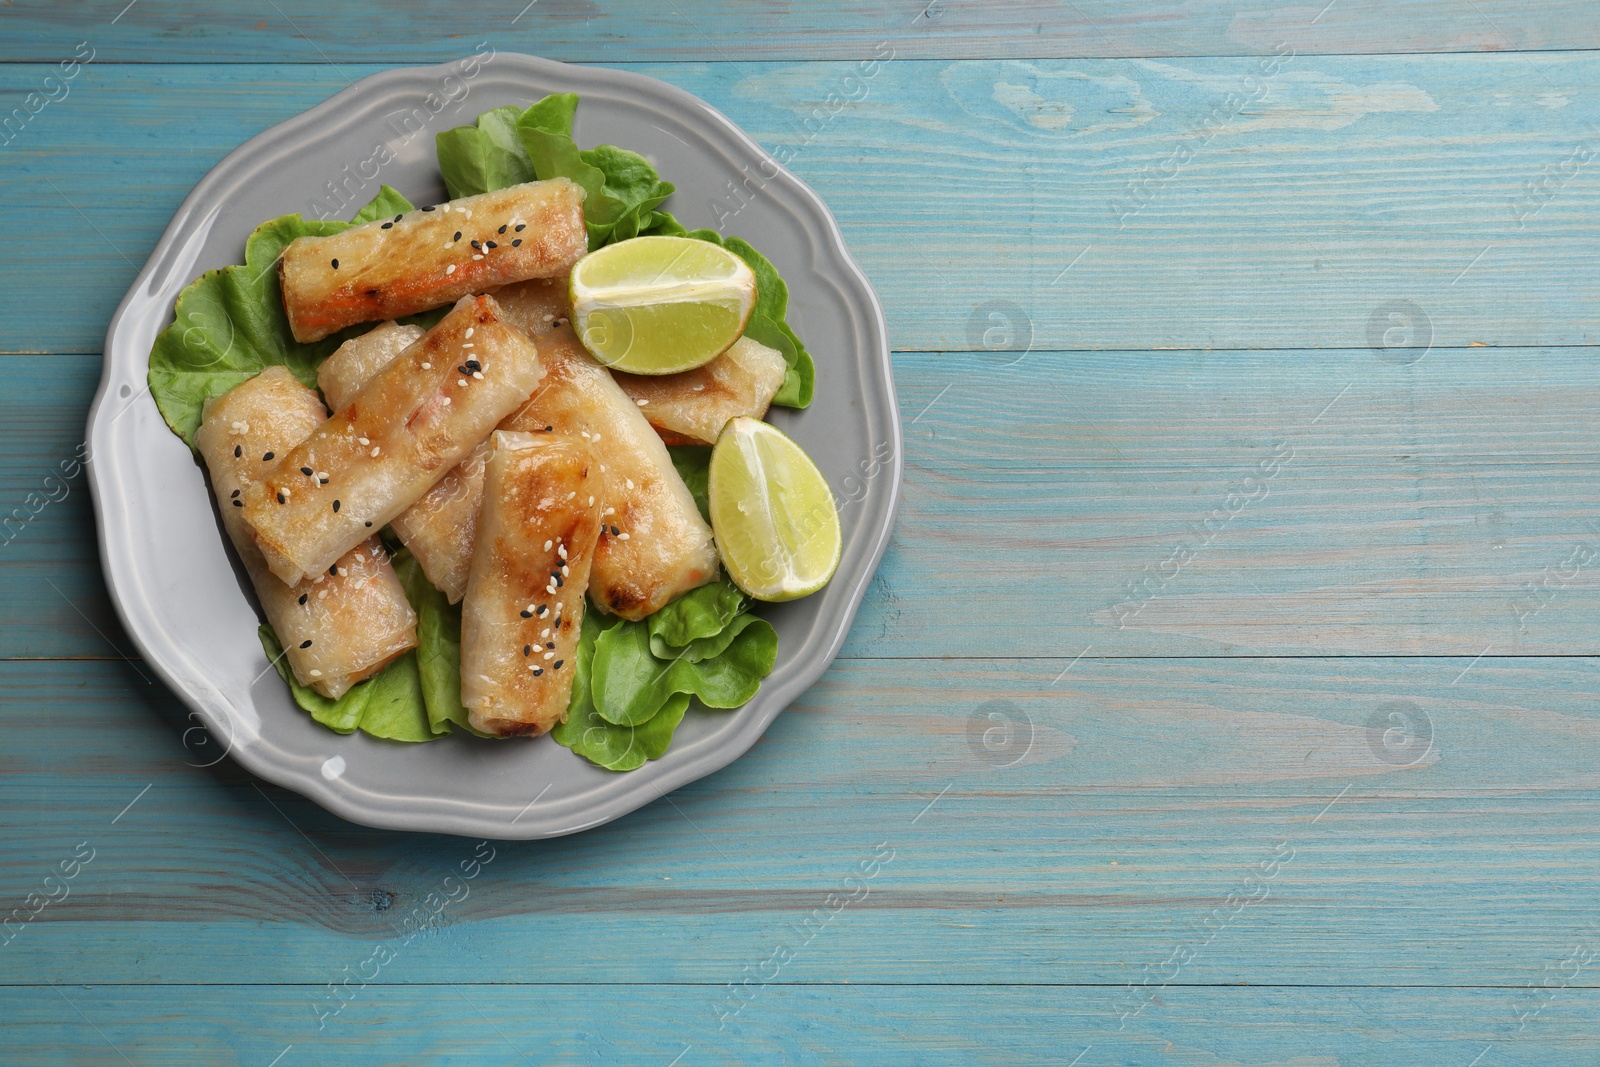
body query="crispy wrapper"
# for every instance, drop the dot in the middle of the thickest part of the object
(336, 629)
(524, 605)
(393, 441)
(414, 261)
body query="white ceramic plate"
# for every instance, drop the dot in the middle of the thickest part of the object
(171, 574)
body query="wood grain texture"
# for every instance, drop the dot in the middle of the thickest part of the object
(1183, 204)
(995, 1026)
(588, 31)
(1039, 828)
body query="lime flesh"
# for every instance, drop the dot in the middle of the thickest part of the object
(773, 514)
(661, 305)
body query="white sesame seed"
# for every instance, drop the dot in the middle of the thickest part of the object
(467, 213)
(641, 403)
(447, 244)
(562, 551)
(584, 434)
(591, 502)
(468, 334)
(363, 440)
(629, 481)
(314, 673)
(478, 374)
(545, 632)
(549, 318)
(446, 401)
(597, 437)
(451, 269)
(374, 450)
(549, 655)
(477, 257)
(608, 511)
(533, 666)
(427, 366)
(547, 545)
(622, 537)
(564, 572)
(461, 382)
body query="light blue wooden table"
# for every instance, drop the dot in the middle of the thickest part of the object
(1229, 694)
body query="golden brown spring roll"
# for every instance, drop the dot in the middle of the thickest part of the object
(390, 443)
(431, 256)
(354, 363)
(655, 546)
(440, 528)
(531, 564)
(336, 628)
(535, 307)
(694, 406)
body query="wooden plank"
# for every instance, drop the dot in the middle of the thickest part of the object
(1005, 1025)
(612, 30)
(1122, 204)
(1081, 501)
(1439, 818)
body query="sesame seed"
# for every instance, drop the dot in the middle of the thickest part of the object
(521, 226)
(457, 237)
(549, 318)
(281, 498)
(490, 244)
(543, 611)
(237, 451)
(526, 614)
(549, 655)
(475, 244)
(447, 244)
(238, 503)
(322, 594)
(427, 366)
(369, 525)
(333, 569)
(446, 401)
(501, 230)
(527, 650)
(641, 403)
(335, 505)
(622, 537)
(461, 381)
(476, 258)
(387, 226)
(547, 429)
(315, 673)
(545, 632)
(306, 643)
(267, 456)
(473, 364)
(306, 471)
(375, 450)
(427, 209)
(549, 644)
(629, 481)
(591, 502)
(547, 545)
(478, 374)
(236, 493)
(336, 264)
(557, 664)
(536, 670)
(363, 440)
(562, 551)
(615, 532)
(303, 597)
(469, 333)
(609, 511)
(517, 242)
(451, 269)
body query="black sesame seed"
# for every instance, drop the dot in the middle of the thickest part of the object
(305, 644)
(475, 244)
(336, 264)
(281, 498)
(462, 370)
(335, 505)
(427, 209)
(558, 663)
(549, 644)
(501, 230)
(369, 525)
(615, 531)
(457, 237)
(538, 671)
(473, 365)
(303, 597)
(238, 503)
(322, 481)
(306, 471)
(527, 614)
(267, 456)
(490, 244)
(547, 429)
(527, 650)
(238, 450)
(521, 226)
(234, 493)
(397, 218)
(387, 226)
(542, 611)
(333, 569)
(559, 582)
(517, 242)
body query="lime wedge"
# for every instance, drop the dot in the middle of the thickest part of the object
(660, 305)
(773, 514)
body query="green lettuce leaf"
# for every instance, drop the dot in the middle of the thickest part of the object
(617, 748)
(438, 647)
(694, 467)
(229, 324)
(698, 625)
(486, 156)
(388, 705)
(630, 684)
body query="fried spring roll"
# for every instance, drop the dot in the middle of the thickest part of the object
(531, 564)
(440, 529)
(390, 443)
(354, 363)
(535, 307)
(431, 256)
(655, 546)
(336, 628)
(693, 407)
